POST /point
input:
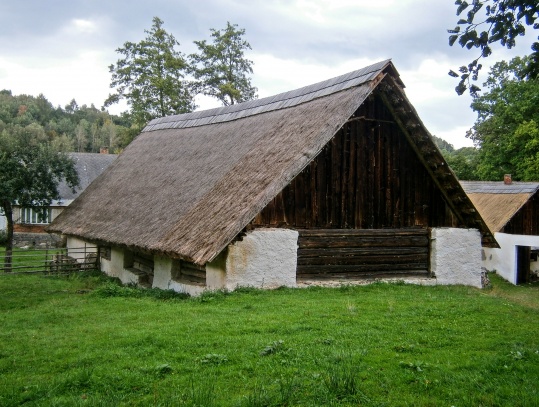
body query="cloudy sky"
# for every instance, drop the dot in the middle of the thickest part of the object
(63, 48)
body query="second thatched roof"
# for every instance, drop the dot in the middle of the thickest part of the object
(498, 202)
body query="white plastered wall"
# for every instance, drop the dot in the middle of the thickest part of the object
(456, 256)
(115, 267)
(263, 258)
(503, 260)
(79, 248)
(163, 277)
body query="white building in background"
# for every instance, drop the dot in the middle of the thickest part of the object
(3, 223)
(30, 223)
(511, 211)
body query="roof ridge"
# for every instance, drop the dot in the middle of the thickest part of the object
(269, 103)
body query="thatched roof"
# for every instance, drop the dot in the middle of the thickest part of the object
(498, 202)
(89, 166)
(188, 184)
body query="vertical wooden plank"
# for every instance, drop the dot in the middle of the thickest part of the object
(352, 177)
(396, 179)
(361, 174)
(388, 168)
(371, 157)
(313, 194)
(299, 200)
(343, 174)
(289, 202)
(321, 186)
(335, 191)
(279, 213)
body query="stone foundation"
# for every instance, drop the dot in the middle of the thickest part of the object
(37, 240)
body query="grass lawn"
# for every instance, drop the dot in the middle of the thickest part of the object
(28, 260)
(70, 341)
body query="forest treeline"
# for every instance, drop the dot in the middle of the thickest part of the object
(71, 128)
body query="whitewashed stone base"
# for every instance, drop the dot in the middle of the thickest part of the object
(456, 256)
(264, 258)
(267, 258)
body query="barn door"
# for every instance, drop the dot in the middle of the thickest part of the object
(364, 253)
(523, 264)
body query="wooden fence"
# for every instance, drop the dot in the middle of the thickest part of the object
(51, 260)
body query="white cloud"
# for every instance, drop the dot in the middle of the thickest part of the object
(83, 26)
(275, 75)
(84, 78)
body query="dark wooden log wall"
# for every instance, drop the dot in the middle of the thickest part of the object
(189, 273)
(362, 253)
(526, 220)
(367, 177)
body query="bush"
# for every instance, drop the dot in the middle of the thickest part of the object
(3, 237)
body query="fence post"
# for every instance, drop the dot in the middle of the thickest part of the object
(46, 257)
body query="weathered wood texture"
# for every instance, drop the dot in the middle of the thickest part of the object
(354, 253)
(190, 273)
(367, 177)
(526, 220)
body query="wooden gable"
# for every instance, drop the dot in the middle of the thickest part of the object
(367, 177)
(526, 220)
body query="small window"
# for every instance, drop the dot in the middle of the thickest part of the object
(188, 273)
(104, 252)
(36, 216)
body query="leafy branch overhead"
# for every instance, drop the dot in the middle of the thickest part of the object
(501, 21)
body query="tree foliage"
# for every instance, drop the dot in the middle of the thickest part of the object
(500, 21)
(221, 67)
(150, 77)
(30, 170)
(463, 161)
(507, 126)
(73, 128)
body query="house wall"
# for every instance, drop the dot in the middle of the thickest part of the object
(33, 234)
(503, 260)
(456, 256)
(163, 277)
(79, 248)
(264, 258)
(267, 258)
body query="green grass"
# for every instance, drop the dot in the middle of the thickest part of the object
(84, 340)
(28, 260)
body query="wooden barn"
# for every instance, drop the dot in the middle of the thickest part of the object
(337, 181)
(511, 211)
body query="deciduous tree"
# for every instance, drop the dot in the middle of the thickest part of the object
(30, 170)
(151, 77)
(221, 67)
(507, 126)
